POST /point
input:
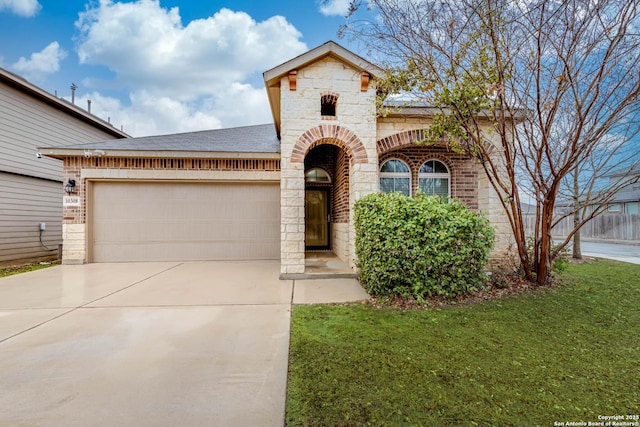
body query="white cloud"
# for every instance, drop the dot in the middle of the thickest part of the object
(46, 61)
(153, 114)
(189, 77)
(335, 7)
(26, 8)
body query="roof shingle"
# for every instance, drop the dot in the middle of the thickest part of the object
(246, 139)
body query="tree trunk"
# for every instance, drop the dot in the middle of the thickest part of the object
(543, 268)
(577, 252)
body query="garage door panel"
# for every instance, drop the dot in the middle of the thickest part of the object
(147, 221)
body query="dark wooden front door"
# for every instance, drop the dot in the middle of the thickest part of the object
(317, 219)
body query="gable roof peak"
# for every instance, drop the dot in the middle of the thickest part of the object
(329, 48)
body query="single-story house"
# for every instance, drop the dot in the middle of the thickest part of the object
(270, 191)
(30, 185)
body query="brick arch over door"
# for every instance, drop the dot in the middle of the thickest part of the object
(401, 139)
(330, 134)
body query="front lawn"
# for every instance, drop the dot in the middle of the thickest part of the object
(567, 354)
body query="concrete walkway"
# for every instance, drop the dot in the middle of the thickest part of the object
(151, 344)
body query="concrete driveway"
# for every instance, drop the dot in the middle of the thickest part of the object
(145, 344)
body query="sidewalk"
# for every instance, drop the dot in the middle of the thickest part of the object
(618, 251)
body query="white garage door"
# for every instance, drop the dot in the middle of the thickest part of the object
(184, 221)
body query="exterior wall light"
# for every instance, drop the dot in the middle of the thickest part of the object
(70, 188)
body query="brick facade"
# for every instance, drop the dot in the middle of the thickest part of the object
(340, 207)
(462, 169)
(336, 163)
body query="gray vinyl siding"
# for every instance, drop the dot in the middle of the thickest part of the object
(31, 189)
(27, 123)
(24, 203)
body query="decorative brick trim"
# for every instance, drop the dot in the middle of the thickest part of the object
(329, 134)
(401, 139)
(330, 97)
(172, 164)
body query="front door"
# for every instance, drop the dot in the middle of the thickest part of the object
(317, 219)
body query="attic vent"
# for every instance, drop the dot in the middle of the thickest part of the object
(328, 103)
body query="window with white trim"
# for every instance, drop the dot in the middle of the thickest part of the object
(395, 176)
(434, 179)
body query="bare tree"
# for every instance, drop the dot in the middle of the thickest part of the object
(594, 183)
(535, 90)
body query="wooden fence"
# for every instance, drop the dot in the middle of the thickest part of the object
(606, 226)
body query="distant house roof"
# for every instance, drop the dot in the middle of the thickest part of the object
(259, 141)
(628, 194)
(272, 77)
(63, 105)
(630, 171)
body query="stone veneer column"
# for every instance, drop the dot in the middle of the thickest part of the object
(302, 127)
(364, 180)
(292, 228)
(489, 203)
(74, 227)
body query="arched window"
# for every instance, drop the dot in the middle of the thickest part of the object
(317, 175)
(434, 179)
(395, 176)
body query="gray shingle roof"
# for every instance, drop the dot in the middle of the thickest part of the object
(246, 139)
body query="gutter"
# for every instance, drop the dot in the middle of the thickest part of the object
(61, 153)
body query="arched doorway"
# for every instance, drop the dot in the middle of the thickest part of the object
(327, 199)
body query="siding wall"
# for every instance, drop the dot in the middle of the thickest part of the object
(25, 202)
(31, 189)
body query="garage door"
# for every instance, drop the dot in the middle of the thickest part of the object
(186, 221)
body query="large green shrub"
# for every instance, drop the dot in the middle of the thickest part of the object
(420, 246)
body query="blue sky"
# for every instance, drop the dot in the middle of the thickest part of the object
(163, 66)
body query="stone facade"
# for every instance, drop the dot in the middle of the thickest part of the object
(325, 117)
(352, 130)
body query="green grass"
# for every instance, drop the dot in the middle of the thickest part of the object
(565, 354)
(11, 270)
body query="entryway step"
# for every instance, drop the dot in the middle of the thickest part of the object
(314, 276)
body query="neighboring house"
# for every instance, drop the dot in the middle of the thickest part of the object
(31, 188)
(617, 220)
(626, 200)
(269, 191)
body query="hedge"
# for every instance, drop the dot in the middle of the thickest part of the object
(420, 246)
